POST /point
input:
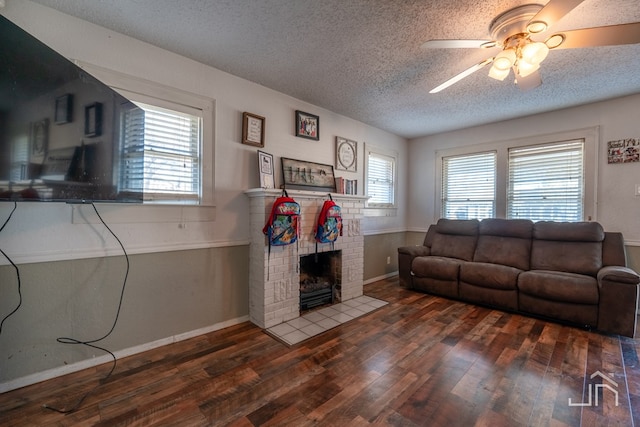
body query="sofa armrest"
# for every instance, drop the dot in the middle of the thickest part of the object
(618, 306)
(618, 274)
(414, 251)
(406, 254)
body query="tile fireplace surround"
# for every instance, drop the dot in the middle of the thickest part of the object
(274, 280)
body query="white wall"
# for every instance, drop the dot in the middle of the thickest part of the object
(617, 206)
(43, 232)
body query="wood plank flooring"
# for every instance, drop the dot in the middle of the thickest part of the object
(421, 360)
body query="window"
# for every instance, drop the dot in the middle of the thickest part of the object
(381, 172)
(160, 154)
(550, 177)
(165, 200)
(469, 186)
(546, 182)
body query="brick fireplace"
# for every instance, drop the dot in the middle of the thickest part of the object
(274, 279)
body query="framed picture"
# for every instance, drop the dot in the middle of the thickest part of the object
(300, 174)
(307, 125)
(346, 154)
(253, 129)
(623, 150)
(265, 168)
(39, 138)
(93, 120)
(64, 109)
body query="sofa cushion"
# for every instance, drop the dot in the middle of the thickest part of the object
(455, 238)
(559, 286)
(568, 231)
(506, 242)
(436, 267)
(574, 247)
(489, 275)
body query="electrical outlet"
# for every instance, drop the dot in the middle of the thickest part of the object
(637, 189)
(388, 260)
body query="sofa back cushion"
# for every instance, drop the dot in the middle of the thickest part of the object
(574, 247)
(455, 238)
(428, 238)
(505, 242)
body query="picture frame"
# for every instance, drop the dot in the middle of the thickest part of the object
(307, 125)
(300, 174)
(346, 154)
(93, 120)
(64, 109)
(623, 151)
(253, 129)
(265, 169)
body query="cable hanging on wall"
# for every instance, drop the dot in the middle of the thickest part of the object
(15, 205)
(92, 343)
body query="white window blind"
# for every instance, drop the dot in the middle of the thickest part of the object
(469, 186)
(19, 158)
(161, 154)
(380, 180)
(546, 182)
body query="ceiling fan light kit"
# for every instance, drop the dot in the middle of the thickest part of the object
(522, 54)
(513, 30)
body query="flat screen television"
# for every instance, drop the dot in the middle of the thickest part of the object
(60, 128)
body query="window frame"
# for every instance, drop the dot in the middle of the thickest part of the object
(476, 154)
(591, 137)
(160, 197)
(529, 158)
(381, 209)
(139, 89)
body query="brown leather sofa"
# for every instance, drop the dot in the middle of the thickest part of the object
(570, 272)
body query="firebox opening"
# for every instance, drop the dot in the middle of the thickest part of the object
(320, 279)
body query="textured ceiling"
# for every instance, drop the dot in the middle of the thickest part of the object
(362, 58)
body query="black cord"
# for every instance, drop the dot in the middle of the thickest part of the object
(91, 343)
(15, 205)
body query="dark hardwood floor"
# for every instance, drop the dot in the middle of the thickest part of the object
(420, 360)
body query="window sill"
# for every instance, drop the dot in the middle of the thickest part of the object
(374, 211)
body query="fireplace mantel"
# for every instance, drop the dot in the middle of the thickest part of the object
(274, 281)
(270, 192)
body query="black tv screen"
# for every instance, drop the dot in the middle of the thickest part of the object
(60, 128)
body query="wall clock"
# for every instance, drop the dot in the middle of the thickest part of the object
(346, 154)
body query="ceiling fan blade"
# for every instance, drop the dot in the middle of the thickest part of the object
(454, 44)
(554, 11)
(462, 75)
(532, 81)
(601, 36)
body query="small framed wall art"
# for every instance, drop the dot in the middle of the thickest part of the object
(265, 168)
(93, 120)
(346, 154)
(624, 150)
(253, 129)
(64, 109)
(307, 125)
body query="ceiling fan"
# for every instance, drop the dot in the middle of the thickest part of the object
(520, 34)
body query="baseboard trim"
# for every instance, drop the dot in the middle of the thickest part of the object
(89, 363)
(385, 276)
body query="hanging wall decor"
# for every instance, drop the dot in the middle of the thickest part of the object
(253, 129)
(307, 125)
(624, 150)
(300, 174)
